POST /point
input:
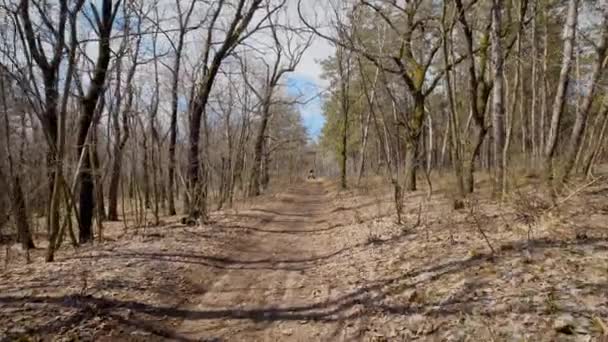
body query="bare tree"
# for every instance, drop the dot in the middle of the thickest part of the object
(103, 22)
(237, 27)
(292, 51)
(120, 123)
(183, 19)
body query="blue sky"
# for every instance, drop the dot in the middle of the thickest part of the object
(307, 91)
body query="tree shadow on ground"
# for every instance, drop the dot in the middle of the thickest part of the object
(371, 298)
(225, 262)
(282, 231)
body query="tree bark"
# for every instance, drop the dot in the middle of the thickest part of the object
(497, 98)
(411, 165)
(562, 86)
(413, 132)
(343, 150)
(258, 151)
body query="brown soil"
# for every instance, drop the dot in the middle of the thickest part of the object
(316, 264)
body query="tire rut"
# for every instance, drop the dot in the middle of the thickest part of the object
(248, 300)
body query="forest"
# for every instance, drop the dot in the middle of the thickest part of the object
(162, 177)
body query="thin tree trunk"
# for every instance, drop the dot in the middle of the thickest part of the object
(344, 70)
(18, 205)
(455, 141)
(544, 86)
(497, 98)
(119, 145)
(510, 114)
(99, 198)
(580, 123)
(534, 83)
(366, 123)
(183, 22)
(343, 149)
(146, 169)
(599, 140)
(562, 86)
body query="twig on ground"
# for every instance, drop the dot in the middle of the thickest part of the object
(575, 192)
(479, 228)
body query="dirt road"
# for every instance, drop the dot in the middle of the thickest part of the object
(270, 288)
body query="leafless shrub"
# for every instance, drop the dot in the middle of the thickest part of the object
(529, 208)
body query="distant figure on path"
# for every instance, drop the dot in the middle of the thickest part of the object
(311, 174)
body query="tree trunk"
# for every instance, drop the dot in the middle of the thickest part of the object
(452, 124)
(562, 86)
(183, 22)
(599, 140)
(114, 183)
(367, 121)
(120, 138)
(99, 198)
(411, 164)
(146, 170)
(119, 145)
(258, 151)
(479, 134)
(265, 181)
(343, 151)
(89, 105)
(413, 132)
(497, 98)
(581, 118)
(18, 207)
(197, 201)
(365, 133)
(479, 92)
(344, 70)
(86, 199)
(544, 86)
(534, 83)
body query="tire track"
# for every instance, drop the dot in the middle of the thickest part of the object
(268, 276)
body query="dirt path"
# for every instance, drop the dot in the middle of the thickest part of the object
(267, 285)
(315, 264)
